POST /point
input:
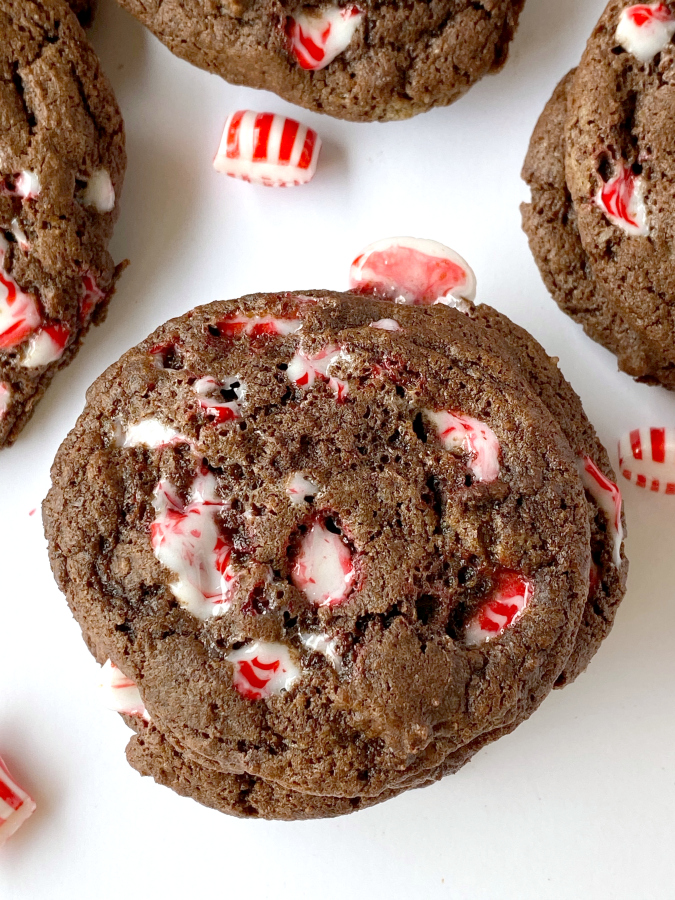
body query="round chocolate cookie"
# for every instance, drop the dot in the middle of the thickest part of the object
(338, 544)
(364, 62)
(63, 160)
(600, 167)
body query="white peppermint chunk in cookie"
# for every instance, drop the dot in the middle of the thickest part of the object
(46, 346)
(321, 643)
(608, 497)
(20, 235)
(511, 595)
(99, 192)
(212, 397)
(27, 185)
(645, 30)
(120, 693)
(187, 539)
(324, 567)
(19, 313)
(299, 488)
(148, 433)
(255, 326)
(304, 370)
(386, 325)
(317, 37)
(5, 397)
(622, 200)
(459, 432)
(262, 669)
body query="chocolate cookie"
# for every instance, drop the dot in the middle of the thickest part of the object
(364, 62)
(601, 210)
(63, 160)
(83, 9)
(339, 545)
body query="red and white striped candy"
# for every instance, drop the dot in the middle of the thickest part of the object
(15, 804)
(211, 398)
(622, 200)
(255, 326)
(608, 497)
(510, 595)
(645, 30)
(5, 397)
(262, 669)
(316, 38)
(304, 370)
(324, 568)
(187, 540)
(414, 271)
(647, 458)
(91, 296)
(19, 312)
(120, 693)
(46, 346)
(457, 432)
(267, 149)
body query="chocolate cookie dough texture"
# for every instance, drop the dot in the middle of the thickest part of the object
(62, 163)
(601, 167)
(364, 62)
(333, 546)
(83, 9)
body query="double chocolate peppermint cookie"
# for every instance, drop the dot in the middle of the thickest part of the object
(62, 159)
(365, 61)
(601, 168)
(333, 546)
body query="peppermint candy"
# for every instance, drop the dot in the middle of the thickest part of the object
(15, 804)
(27, 185)
(325, 645)
(607, 496)
(46, 346)
(91, 296)
(511, 594)
(99, 192)
(622, 200)
(413, 271)
(645, 30)
(187, 540)
(647, 458)
(5, 397)
(19, 313)
(212, 398)
(324, 567)
(149, 433)
(317, 38)
(300, 489)
(19, 235)
(255, 326)
(304, 370)
(386, 325)
(459, 432)
(120, 693)
(268, 149)
(262, 669)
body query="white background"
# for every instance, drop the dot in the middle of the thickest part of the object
(580, 801)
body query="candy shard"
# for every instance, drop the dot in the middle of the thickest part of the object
(20, 235)
(607, 496)
(324, 567)
(5, 397)
(15, 804)
(262, 669)
(300, 488)
(211, 398)
(459, 432)
(621, 199)
(386, 325)
(148, 433)
(317, 38)
(647, 458)
(27, 185)
(255, 326)
(187, 540)
(511, 594)
(413, 271)
(267, 149)
(91, 296)
(99, 192)
(120, 693)
(326, 646)
(645, 30)
(304, 370)
(19, 313)
(46, 346)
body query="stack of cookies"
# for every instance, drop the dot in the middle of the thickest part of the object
(601, 166)
(338, 545)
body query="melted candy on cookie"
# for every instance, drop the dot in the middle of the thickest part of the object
(608, 497)
(91, 296)
(19, 312)
(304, 370)
(121, 693)
(5, 397)
(99, 192)
(46, 346)
(317, 38)
(621, 200)
(324, 567)
(187, 540)
(212, 398)
(300, 488)
(458, 432)
(254, 326)
(262, 669)
(511, 594)
(645, 30)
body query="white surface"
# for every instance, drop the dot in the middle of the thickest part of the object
(579, 801)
